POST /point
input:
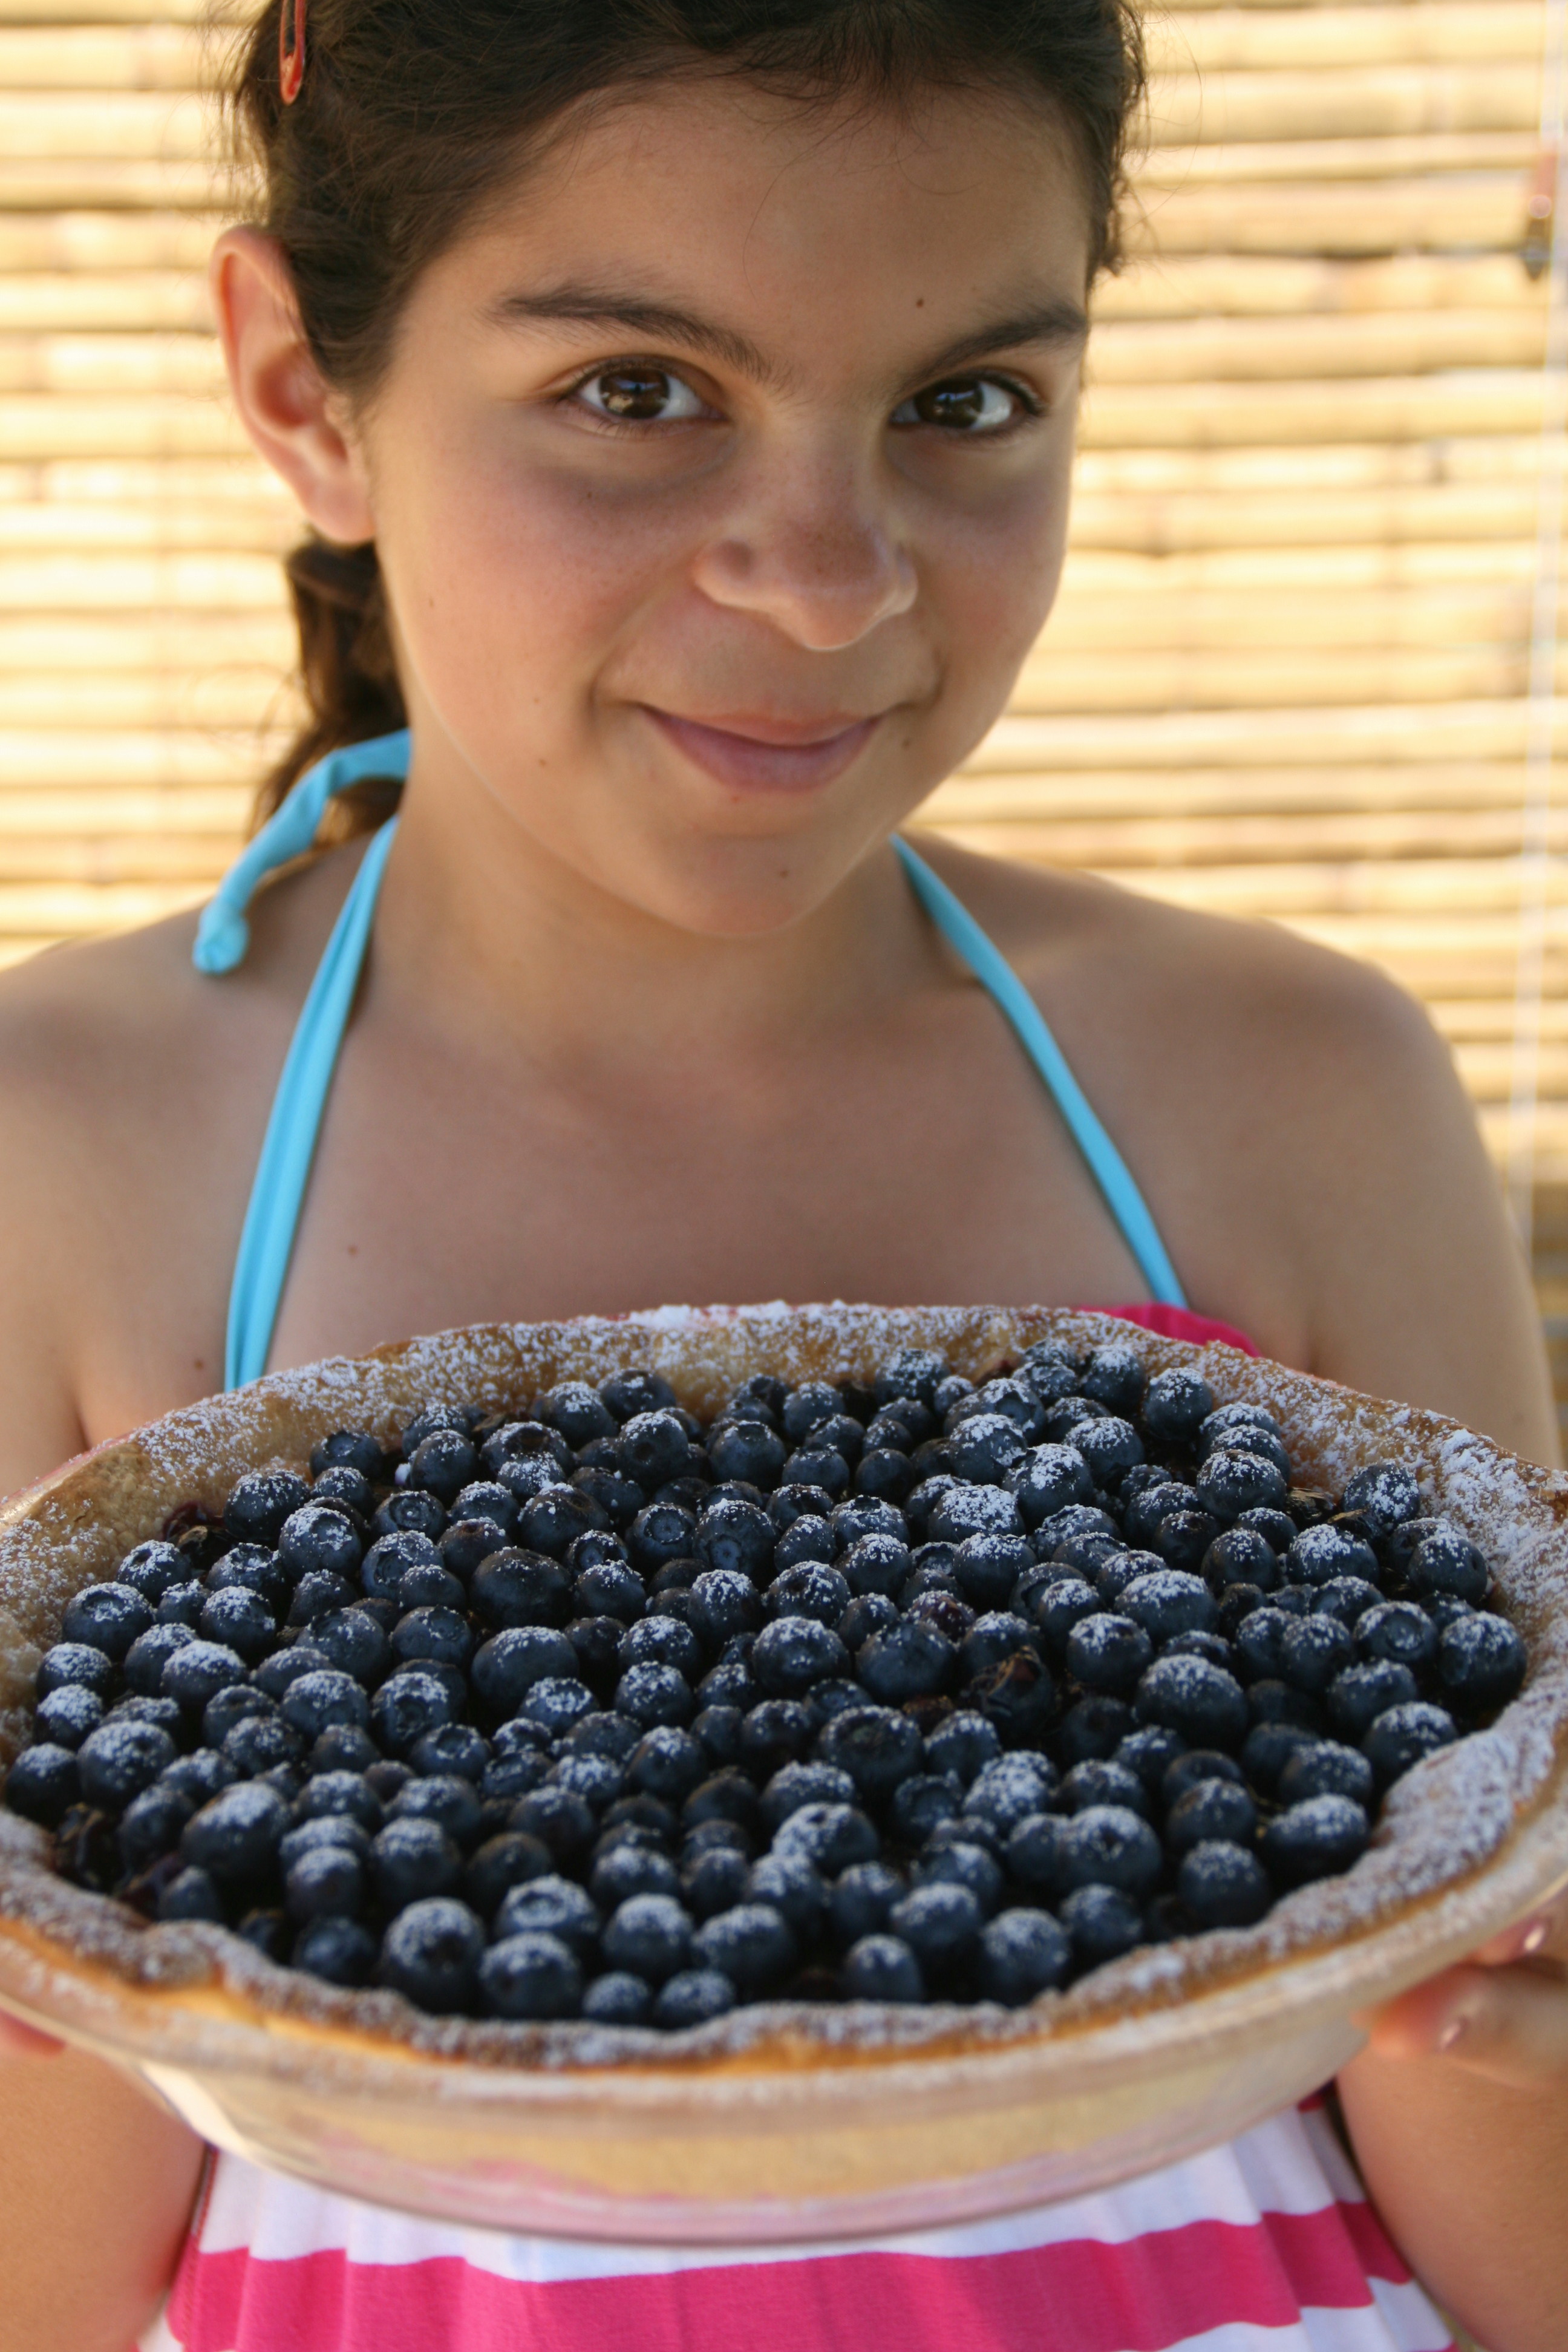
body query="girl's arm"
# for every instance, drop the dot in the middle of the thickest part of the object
(95, 2188)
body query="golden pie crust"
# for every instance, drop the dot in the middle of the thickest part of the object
(1446, 1825)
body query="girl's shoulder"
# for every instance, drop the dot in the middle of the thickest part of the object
(1300, 1128)
(133, 1094)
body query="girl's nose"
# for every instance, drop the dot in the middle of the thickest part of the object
(815, 557)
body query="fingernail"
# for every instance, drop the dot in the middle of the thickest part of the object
(1535, 1935)
(1452, 2032)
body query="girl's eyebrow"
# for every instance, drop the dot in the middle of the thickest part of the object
(1054, 323)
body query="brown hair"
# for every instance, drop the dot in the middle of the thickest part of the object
(412, 114)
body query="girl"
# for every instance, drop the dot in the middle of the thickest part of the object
(680, 395)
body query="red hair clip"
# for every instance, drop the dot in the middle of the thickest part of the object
(290, 50)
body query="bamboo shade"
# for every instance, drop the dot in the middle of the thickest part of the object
(1288, 673)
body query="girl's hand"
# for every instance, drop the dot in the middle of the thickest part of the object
(19, 2040)
(1502, 2013)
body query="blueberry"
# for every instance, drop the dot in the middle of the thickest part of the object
(1184, 1538)
(609, 1588)
(1281, 1702)
(1314, 1650)
(1166, 1602)
(650, 1935)
(940, 1923)
(200, 1775)
(444, 1797)
(1348, 1599)
(346, 1488)
(559, 1818)
(501, 1862)
(191, 1894)
(428, 1585)
(67, 1715)
(963, 1511)
(1110, 1845)
(1386, 1494)
(354, 1448)
(963, 1744)
(316, 1701)
(531, 1975)
(861, 1899)
(713, 1879)
(150, 1568)
(346, 1793)
(1357, 1697)
(653, 1448)
(194, 1672)
(78, 1663)
(626, 1869)
(692, 1997)
(1004, 1792)
(318, 1541)
(431, 1953)
(118, 1761)
(1228, 1417)
(1482, 1662)
(749, 1450)
(1097, 1783)
(988, 1566)
(790, 1883)
(1103, 1924)
(793, 1652)
(1324, 1768)
(881, 1968)
(1403, 1734)
(257, 1743)
(237, 1833)
(413, 1859)
(962, 1863)
(324, 1830)
(736, 1535)
(1241, 1556)
(1397, 1631)
(1176, 1405)
(326, 1879)
(1108, 1653)
(341, 1951)
(513, 1587)
(1235, 1481)
(44, 1783)
(1148, 1754)
(1208, 1810)
(550, 1905)
(1187, 1769)
(797, 1785)
(261, 1502)
(145, 1658)
(1324, 1552)
(442, 1465)
(107, 1617)
(1267, 1749)
(655, 1694)
(727, 1795)
(831, 1837)
(505, 1669)
(752, 1944)
(1222, 1884)
(266, 1929)
(1447, 1562)
(1200, 1701)
(919, 1804)
(1315, 1839)
(618, 1997)
(876, 1746)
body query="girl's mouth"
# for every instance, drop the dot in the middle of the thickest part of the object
(768, 755)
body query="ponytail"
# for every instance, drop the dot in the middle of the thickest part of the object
(349, 676)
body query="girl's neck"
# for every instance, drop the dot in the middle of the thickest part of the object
(479, 920)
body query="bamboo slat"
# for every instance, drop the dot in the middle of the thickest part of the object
(1404, 409)
(1301, 287)
(1375, 102)
(1403, 343)
(1343, 39)
(37, 301)
(103, 58)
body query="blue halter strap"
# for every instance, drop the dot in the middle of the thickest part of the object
(277, 1198)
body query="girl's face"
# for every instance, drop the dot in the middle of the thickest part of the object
(720, 481)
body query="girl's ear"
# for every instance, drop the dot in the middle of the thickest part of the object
(285, 403)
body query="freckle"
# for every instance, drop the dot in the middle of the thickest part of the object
(198, 1363)
(354, 1249)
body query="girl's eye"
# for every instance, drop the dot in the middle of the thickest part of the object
(970, 405)
(639, 396)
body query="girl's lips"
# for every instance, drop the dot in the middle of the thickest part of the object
(748, 762)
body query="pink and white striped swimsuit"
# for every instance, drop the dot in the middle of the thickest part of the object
(1266, 2245)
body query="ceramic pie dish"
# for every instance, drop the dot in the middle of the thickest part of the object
(779, 2122)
